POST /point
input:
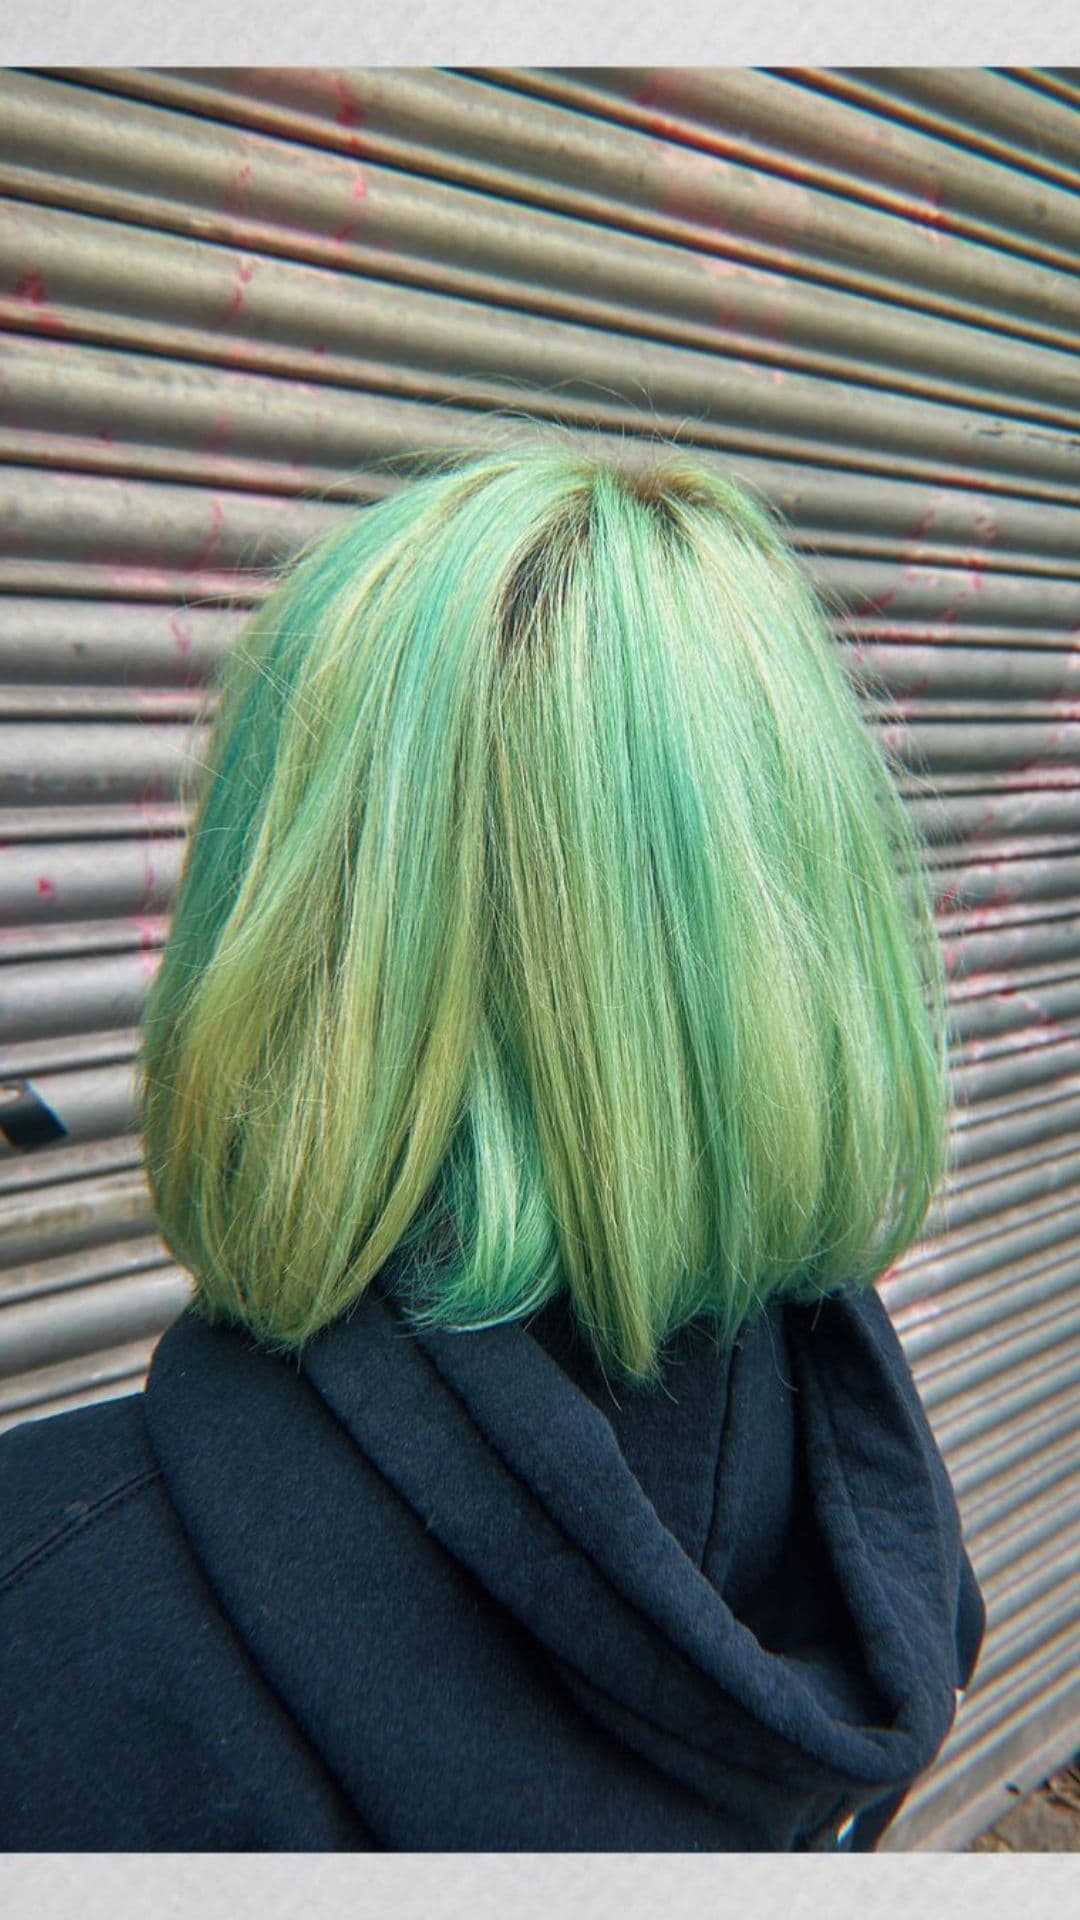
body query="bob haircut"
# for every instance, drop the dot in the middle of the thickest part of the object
(550, 921)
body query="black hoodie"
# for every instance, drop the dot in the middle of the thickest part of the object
(448, 1592)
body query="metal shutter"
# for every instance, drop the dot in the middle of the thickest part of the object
(234, 303)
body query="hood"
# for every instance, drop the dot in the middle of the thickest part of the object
(512, 1609)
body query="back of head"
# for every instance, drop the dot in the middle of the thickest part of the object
(550, 920)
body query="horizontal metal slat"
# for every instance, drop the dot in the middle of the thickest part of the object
(1029, 1512)
(376, 222)
(991, 112)
(1035, 1732)
(32, 1058)
(993, 675)
(982, 1359)
(21, 826)
(1007, 1182)
(831, 131)
(980, 1466)
(88, 1378)
(913, 591)
(120, 526)
(1001, 1244)
(58, 762)
(949, 829)
(483, 131)
(1024, 1001)
(64, 938)
(89, 1103)
(136, 397)
(44, 1222)
(106, 644)
(1011, 1124)
(36, 1334)
(184, 300)
(54, 997)
(1033, 1062)
(1030, 1383)
(61, 1164)
(87, 1266)
(982, 1305)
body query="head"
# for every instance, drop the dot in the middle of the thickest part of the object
(550, 921)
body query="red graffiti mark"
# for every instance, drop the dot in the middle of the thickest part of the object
(985, 523)
(31, 288)
(181, 635)
(357, 191)
(222, 432)
(46, 887)
(647, 99)
(237, 194)
(348, 106)
(106, 436)
(245, 271)
(209, 550)
(877, 602)
(925, 520)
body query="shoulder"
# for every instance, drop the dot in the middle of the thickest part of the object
(61, 1476)
(133, 1717)
(96, 1603)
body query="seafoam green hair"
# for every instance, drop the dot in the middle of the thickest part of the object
(551, 920)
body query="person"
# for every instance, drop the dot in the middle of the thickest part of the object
(546, 1061)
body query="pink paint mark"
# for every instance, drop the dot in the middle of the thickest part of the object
(236, 196)
(648, 98)
(209, 550)
(46, 887)
(245, 272)
(221, 432)
(357, 192)
(181, 635)
(879, 601)
(106, 436)
(348, 106)
(31, 288)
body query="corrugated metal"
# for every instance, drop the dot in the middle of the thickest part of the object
(233, 304)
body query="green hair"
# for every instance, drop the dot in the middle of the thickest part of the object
(551, 920)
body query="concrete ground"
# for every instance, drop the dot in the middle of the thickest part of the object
(1048, 1821)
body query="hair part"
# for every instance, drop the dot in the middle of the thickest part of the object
(550, 920)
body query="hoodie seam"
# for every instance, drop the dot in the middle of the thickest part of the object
(53, 1543)
(732, 1410)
